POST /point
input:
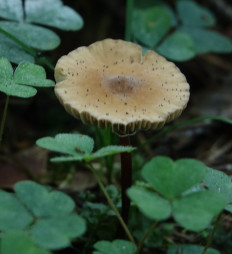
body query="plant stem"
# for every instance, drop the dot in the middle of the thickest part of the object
(150, 229)
(111, 204)
(210, 238)
(126, 177)
(129, 16)
(4, 117)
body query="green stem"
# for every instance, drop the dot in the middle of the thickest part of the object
(111, 204)
(210, 238)
(129, 17)
(149, 231)
(24, 46)
(4, 117)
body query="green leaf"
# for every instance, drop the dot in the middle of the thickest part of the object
(13, 215)
(31, 74)
(20, 243)
(190, 249)
(109, 150)
(149, 203)
(171, 178)
(68, 158)
(208, 41)
(115, 247)
(6, 70)
(192, 14)
(150, 25)
(72, 144)
(196, 211)
(177, 47)
(11, 9)
(52, 13)
(12, 51)
(9, 87)
(57, 232)
(43, 202)
(31, 35)
(26, 73)
(220, 182)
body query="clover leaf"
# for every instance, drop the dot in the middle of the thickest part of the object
(77, 147)
(19, 83)
(177, 183)
(173, 178)
(46, 217)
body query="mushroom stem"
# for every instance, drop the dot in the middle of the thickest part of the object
(4, 117)
(126, 177)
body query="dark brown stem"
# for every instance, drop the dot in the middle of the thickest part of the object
(126, 177)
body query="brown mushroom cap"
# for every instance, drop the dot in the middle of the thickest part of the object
(111, 83)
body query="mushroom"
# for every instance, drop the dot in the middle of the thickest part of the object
(110, 83)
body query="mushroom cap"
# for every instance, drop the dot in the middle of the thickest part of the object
(111, 83)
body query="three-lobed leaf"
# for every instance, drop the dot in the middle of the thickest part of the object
(25, 76)
(171, 178)
(78, 147)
